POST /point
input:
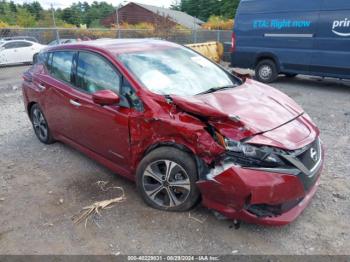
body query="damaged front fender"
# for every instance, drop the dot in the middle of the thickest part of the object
(173, 128)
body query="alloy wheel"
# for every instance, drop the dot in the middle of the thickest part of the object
(40, 125)
(166, 183)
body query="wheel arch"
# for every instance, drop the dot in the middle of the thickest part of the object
(29, 107)
(268, 56)
(168, 144)
(201, 166)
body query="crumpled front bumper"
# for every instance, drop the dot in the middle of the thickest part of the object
(234, 191)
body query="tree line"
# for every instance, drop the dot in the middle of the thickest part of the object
(34, 15)
(204, 9)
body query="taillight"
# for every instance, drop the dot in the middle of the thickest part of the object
(233, 43)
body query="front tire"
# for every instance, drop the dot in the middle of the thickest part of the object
(40, 125)
(166, 180)
(266, 71)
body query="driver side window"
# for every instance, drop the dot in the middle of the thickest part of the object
(94, 73)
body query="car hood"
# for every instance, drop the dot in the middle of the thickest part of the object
(257, 107)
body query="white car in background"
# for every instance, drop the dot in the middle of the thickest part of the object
(18, 51)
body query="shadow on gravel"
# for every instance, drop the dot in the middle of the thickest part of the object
(315, 83)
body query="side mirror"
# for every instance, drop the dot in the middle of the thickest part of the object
(105, 98)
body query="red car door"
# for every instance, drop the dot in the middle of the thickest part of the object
(56, 85)
(102, 129)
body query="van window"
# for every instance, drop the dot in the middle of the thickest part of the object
(61, 67)
(95, 73)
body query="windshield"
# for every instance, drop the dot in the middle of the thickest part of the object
(176, 71)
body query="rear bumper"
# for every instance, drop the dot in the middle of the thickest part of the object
(234, 191)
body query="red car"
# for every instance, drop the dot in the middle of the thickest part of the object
(185, 129)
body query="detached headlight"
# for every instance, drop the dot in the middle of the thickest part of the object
(249, 155)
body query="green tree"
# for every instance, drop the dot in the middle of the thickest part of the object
(24, 18)
(34, 8)
(30, 14)
(7, 13)
(228, 8)
(72, 15)
(13, 7)
(98, 11)
(203, 9)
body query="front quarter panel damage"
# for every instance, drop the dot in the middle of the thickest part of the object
(171, 128)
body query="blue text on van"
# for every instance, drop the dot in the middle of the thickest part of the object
(280, 24)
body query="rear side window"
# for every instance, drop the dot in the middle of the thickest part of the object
(23, 44)
(61, 67)
(10, 45)
(17, 44)
(95, 73)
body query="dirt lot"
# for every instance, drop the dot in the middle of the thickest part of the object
(42, 187)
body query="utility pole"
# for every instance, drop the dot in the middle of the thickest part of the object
(194, 30)
(117, 17)
(54, 24)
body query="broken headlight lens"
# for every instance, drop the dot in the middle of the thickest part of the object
(252, 155)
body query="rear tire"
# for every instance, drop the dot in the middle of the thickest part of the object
(40, 125)
(166, 179)
(266, 71)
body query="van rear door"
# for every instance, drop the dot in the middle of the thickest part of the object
(332, 40)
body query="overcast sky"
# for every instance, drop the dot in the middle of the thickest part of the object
(66, 3)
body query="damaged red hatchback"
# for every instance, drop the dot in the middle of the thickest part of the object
(182, 127)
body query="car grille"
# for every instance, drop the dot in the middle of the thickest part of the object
(308, 161)
(311, 157)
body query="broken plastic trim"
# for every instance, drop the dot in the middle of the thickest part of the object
(290, 171)
(219, 166)
(264, 210)
(219, 169)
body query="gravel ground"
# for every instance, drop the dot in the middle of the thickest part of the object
(42, 187)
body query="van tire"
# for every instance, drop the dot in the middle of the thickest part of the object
(266, 71)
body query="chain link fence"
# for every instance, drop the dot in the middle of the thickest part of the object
(46, 35)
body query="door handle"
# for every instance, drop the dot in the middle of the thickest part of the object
(74, 103)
